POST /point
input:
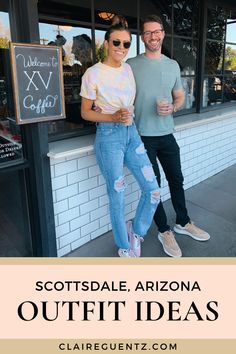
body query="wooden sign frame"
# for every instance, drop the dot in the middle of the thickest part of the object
(42, 104)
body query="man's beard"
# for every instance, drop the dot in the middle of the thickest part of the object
(153, 49)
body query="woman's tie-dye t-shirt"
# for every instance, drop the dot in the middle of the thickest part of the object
(110, 88)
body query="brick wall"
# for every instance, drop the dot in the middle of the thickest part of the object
(79, 191)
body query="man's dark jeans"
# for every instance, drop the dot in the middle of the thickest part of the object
(166, 149)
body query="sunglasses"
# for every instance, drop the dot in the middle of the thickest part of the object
(117, 42)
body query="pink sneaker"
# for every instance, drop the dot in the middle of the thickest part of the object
(135, 240)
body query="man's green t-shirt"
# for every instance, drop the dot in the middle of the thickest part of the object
(155, 79)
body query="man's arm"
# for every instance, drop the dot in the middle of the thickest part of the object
(178, 99)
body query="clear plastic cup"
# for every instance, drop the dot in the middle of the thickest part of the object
(161, 102)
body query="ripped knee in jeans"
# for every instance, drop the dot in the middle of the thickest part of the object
(148, 173)
(119, 184)
(140, 149)
(155, 197)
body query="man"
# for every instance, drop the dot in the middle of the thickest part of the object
(158, 79)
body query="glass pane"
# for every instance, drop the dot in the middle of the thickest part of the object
(185, 52)
(214, 57)
(105, 10)
(231, 29)
(15, 239)
(215, 90)
(230, 73)
(230, 57)
(162, 8)
(186, 17)
(230, 88)
(189, 89)
(216, 18)
(10, 135)
(76, 45)
(141, 46)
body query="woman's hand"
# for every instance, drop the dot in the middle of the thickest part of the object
(121, 116)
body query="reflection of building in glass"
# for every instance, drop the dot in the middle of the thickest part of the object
(82, 49)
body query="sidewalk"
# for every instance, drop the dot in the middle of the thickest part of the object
(211, 205)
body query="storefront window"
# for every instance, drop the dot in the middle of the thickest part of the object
(229, 93)
(216, 23)
(76, 46)
(70, 27)
(83, 23)
(214, 57)
(186, 17)
(10, 134)
(185, 52)
(220, 60)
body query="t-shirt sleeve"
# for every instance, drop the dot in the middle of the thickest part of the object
(88, 86)
(131, 75)
(178, 83)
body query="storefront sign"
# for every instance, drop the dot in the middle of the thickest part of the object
(37, 82)
(9, 151)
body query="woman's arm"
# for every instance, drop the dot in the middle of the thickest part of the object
(87, 113)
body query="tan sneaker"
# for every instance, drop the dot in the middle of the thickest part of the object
(169, 244)
(193, 231)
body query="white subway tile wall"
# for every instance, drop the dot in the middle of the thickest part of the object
(79, 192)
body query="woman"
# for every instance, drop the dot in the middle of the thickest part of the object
(110, 85)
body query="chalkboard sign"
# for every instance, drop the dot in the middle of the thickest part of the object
(37, 82)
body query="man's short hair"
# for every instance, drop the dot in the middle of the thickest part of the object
(151, 18)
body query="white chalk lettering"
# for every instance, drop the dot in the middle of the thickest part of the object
(32, 62)
(31, 80)
(41, 105)
(45, 85)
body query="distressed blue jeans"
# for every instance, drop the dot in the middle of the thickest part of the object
(117, 145)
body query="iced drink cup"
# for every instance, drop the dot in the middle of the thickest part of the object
(161, 103)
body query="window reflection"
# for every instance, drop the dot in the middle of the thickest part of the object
(230, 57)
(185, 52)
(229, 92)
(216, 23)
(189, 90)
(220, 63)
(186, 17)
(214, 57)
(10, 134)
(215, 90)
(76, 47)
(161, 8)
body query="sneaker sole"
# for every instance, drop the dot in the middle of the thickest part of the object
(169, 254)
(184, 232)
